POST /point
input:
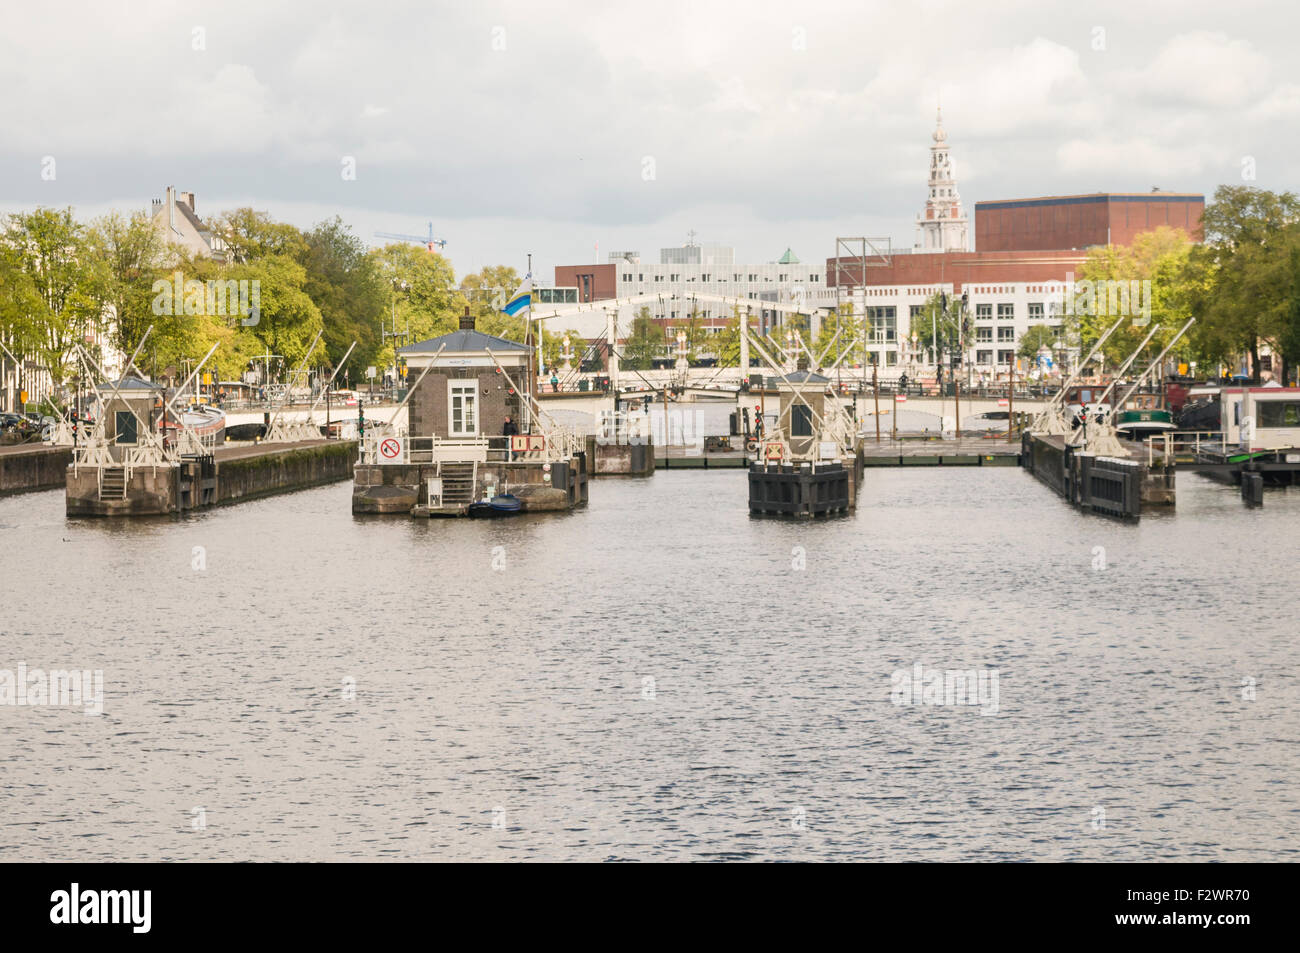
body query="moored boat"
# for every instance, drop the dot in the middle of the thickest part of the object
(503, 504)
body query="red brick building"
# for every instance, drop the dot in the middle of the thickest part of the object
(1080, 221)
(594, 282)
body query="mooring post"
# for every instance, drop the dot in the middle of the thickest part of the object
(875, 392)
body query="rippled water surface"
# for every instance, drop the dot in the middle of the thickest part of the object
(652, 678)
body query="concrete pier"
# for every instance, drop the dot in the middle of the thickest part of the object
(1114, 486)
(404, 487)
(229, 475)
(32, 466)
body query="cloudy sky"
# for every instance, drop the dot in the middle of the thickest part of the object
(554, 128)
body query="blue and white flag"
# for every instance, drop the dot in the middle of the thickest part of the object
(521, 299)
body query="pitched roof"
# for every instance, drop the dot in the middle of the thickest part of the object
(801, 377)
(789, 258)
(127, 383)
(462, 342)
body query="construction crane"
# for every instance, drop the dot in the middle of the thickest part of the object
(428, 241)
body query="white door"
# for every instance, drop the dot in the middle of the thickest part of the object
(464, 409)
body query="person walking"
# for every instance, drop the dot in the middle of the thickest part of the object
(555, 382)
(510, 431)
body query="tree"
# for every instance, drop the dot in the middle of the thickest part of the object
(134, 257)
(842, 331)
(936, 320)
(727, 342)
(422, 293)
(487, 292)
(644, 344)
(1117, 275)
(346, 285)
(1240, 294)
(64, 283)
(288, 319)
(249, 235)
(1037, 337)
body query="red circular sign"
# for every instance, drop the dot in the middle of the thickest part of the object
(390, 448)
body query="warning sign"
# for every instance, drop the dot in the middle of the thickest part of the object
(390, 448)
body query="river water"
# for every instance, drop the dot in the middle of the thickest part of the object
(659, 676)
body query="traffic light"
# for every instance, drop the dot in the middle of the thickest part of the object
(943, 300)
(361, 420)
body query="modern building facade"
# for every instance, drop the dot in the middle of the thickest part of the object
(707, 269)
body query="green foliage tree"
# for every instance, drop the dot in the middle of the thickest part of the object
(1159, 257)
(842, 331)
(64, 283)
(936, 322)
(644, 344)
(422, 293)
(346, 285)
(134, 257)
(288, 318)
(249, 235)
(487, 292)
(1038, 336)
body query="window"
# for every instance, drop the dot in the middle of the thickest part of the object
(983, 357)
(1006, 312)
(1277, 413)
(983, 335)
(464, 406)
(891, 358)
(1005, 357)
(124, 426)
(1036, 311)
(674, 277)
(800, 421)
(884, 324)
(983, 312)
(753, 277)
(627, 277)
(914, 311)
(1006, 334)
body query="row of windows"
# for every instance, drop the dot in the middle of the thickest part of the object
(783, 278)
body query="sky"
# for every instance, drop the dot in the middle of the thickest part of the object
(571, 130)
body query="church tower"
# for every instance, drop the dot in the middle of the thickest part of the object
(943, 225)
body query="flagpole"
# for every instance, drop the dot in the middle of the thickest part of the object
(529, 325)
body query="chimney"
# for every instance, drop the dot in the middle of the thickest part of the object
(467, 320)
(188, 199)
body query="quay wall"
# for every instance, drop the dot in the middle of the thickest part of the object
(37, 467)
(250, 477)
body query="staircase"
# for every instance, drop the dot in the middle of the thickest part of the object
(112, 483)
(458, 482)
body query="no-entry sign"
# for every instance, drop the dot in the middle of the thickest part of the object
(390, 448)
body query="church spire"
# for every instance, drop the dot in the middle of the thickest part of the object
(943, 225)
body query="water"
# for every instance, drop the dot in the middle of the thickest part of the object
(507, 713)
